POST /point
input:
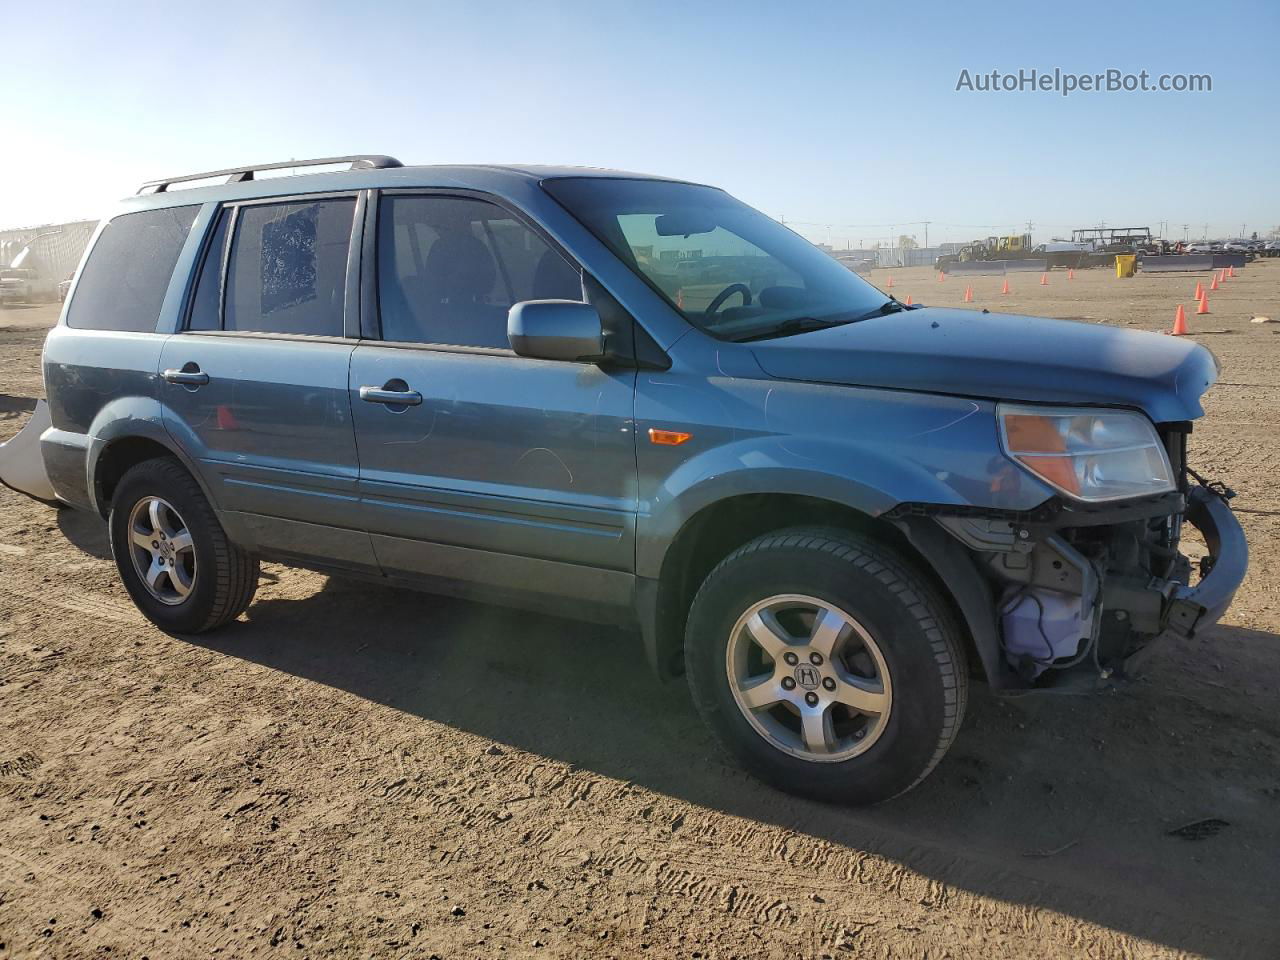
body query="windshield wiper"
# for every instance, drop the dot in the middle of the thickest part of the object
(889, 306)
(794, 325)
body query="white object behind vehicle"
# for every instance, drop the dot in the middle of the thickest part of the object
(21, 463)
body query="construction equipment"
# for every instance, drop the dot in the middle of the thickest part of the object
(1009, 247)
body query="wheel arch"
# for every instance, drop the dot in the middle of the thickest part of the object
(116, 455)
(719, 528)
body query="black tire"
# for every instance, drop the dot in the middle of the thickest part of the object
(911, 625)
(225, 576)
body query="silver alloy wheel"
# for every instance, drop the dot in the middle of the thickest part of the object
(809, 678)
(164, 556)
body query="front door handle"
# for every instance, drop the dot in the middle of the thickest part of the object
(403, 398)
(190, 375)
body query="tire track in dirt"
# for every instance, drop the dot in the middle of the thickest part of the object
(756, 876)
(21, 570)
(62, 900)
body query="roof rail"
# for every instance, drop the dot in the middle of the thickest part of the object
(362, 161)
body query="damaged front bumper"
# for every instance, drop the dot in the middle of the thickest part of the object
(1070, 596)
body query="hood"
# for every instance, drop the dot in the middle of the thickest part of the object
(999, 356)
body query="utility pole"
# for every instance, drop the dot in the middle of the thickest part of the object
(1206, 232)
(1185, 235)
(926, 233)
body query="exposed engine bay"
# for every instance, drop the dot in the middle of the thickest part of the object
(1083, 591)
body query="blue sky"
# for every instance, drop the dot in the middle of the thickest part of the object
(823, 113)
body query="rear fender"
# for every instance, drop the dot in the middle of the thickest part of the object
(130, 418)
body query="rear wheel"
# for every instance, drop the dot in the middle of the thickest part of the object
(826, 665)
(173, 556)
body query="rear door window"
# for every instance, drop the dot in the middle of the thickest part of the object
(288, 268)
(123, 284)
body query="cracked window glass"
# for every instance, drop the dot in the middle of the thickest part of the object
(288, 268)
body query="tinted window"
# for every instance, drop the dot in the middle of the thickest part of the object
(124, 281)
(207, 303)
(449, 269)
(288, 268)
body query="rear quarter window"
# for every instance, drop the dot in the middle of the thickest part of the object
(124, 281)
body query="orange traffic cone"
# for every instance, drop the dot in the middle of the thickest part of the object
(1005, 288)
(680, 299)
(941, 276)
(1231, 272)
(1071, 273)
(968, 294)
(1199, 289)
(1204, 304)
(1180, 322)
(889, 284)
(907, 302)
(1044, 279)
(1213, 284)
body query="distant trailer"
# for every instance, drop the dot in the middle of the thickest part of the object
(978, 268)
(1177, 263)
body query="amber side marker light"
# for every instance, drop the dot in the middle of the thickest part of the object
(668, 438)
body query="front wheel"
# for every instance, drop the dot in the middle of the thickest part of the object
(827, 665)
(172, 553)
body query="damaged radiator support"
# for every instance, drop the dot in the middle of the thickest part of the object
(1051, 606)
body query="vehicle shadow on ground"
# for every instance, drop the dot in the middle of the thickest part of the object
(10, 404)
(86, 532)
(1027, 807)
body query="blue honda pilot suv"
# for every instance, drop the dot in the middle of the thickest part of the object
(635, 400)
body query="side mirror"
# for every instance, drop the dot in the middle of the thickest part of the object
(556, 330)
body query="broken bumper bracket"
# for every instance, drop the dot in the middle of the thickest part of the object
(1194, 608)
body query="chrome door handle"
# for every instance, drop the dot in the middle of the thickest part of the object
(406, 398)
(191, 378)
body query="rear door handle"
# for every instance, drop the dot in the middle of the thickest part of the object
(190, 375)
(405, 398)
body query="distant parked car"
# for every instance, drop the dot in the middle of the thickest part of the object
(16, 286)
(63, 287)
(858, 264)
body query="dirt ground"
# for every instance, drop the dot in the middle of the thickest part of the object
(354, 772)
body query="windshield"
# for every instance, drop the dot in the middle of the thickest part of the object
(729, 269)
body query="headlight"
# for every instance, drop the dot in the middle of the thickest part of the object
(1087, 454)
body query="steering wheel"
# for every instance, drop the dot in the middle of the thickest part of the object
(724, 295)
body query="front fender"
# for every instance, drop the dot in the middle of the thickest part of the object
(867, 449)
